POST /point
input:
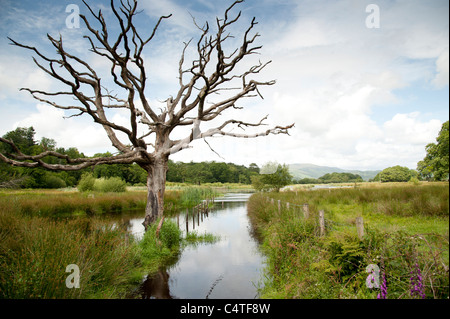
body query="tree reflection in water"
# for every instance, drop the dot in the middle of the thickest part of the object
(156, 286)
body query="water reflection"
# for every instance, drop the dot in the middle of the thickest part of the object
(155, 286)
(229, 268)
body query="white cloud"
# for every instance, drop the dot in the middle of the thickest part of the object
(49, 122)
(408, 129)
(442, 67)
(17, 73)
(333, 77)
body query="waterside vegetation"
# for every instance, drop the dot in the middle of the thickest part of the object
(406, 235)
(44, 231)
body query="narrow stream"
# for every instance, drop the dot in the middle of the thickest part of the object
(228, 268)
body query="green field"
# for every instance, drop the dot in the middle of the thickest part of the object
(404, 224)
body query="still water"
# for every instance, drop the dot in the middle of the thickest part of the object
(228, 268)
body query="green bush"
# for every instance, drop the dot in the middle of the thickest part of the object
(108, 185)
(51, 181)
(86, 183)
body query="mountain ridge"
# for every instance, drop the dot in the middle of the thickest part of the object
(307, 170)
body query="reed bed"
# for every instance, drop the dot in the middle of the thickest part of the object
(35, 251)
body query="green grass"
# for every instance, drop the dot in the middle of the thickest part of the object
(159, 250)
(168, 245)
(404, 225)
(63, 204)
(194, 238)
(39, 237)
(192, 196)
(35, 251)
(52, 203)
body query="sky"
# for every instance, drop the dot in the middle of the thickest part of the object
(365, 82)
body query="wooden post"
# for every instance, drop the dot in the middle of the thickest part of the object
(279, 207)
(222, 203)
(187, 220)
(360, 227)
(287, 206)
(306, 210)
(322, 222)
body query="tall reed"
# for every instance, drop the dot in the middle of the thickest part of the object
(35, 251)
(192, 196)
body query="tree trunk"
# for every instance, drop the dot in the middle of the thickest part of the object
(156, 184)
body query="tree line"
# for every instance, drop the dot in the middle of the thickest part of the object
(132, 174)
(331, 178)
(435, 166)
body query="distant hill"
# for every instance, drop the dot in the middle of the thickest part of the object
(300, 171)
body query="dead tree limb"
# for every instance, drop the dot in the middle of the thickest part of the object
(210, 74)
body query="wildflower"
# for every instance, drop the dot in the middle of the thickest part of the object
(383, 288)
(417, 289)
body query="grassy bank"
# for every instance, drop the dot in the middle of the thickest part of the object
(58, 203)
(64, 204)
(406, 232)
(39, 238)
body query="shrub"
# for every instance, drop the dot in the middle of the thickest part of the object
(112, 184)
(51, 181)
(86, 183)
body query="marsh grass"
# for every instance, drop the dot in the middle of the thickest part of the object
(35, 251)
(41, 232)
(72, 203)
(64, 204)
(157, 250)
(192, 196)
(194, 238)
(403, 226)
(164, 248)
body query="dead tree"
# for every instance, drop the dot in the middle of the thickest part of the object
(212, 72)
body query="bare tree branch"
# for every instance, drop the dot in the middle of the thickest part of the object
(209, 85)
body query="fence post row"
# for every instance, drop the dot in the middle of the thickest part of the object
(305, 208)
